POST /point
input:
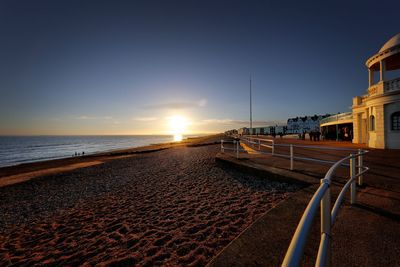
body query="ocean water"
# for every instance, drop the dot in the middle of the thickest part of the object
(23, 149)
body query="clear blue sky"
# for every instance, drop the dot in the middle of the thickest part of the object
(125, 67)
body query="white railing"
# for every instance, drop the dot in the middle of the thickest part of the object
(236, 146)
(258, 143)
(322, 198)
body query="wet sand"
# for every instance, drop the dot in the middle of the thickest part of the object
(169, 207)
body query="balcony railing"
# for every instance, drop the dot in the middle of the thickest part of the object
(392, 85)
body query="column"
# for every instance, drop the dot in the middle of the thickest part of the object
(371, 77)
(337, 127)
(382, 70)
(380, 126)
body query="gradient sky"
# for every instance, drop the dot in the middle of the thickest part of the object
(123, 67)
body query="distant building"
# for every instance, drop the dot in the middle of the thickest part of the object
(304, 124)
(376, 115)
(243, 131)
(231, 132)
(266, 130)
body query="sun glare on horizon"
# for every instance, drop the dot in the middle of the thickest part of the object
(177, 126)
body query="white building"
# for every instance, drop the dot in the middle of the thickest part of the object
(376, 115)
(304, 124)
(243, 131)
(267, 130)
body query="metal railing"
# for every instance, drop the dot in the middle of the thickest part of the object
(322, 198)
(258, 143)
(236, 146)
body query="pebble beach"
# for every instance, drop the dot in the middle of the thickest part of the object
(173, 207)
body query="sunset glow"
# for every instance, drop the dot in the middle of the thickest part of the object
(177, 126)
(178, 137)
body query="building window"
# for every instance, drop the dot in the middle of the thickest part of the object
(396, 121)
(372, 123)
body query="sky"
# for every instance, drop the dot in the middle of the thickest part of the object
(131, 67)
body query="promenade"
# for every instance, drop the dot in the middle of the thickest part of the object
(364, 234)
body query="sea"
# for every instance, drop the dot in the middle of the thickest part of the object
(15, 150)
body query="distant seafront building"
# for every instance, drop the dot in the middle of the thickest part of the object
(293, 126)
(231, 132)
(304, 124)
(375, 116)
(266, 130)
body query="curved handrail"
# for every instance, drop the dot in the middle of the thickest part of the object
(331, 171)
(296, 248)
(295, 252)
(341, 195)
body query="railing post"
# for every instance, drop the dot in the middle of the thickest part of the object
(353, 183)
(291, 157)
(273, 147)
(237, 149)
(222, 146)
(326, 219)
(259, 144)
(360, 166)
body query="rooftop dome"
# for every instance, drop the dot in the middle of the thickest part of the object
(395, 40)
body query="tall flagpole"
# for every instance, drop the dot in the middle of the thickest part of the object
(251, 110)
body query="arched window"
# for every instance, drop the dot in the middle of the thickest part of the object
(372, 123)
(396, 121)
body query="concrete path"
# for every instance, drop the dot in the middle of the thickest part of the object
(365, 234)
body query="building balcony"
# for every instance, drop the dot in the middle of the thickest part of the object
(384, 87)
(378, 89)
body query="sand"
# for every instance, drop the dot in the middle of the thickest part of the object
(170, 207)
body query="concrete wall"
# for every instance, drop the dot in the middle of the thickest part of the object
(377, 136)
(392, 137)
(356, 128)
(360, 125)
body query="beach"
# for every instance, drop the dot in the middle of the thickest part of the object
(168, 204)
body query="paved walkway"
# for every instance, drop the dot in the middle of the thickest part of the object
(365, 234)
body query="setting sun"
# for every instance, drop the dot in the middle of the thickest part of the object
(177, 126)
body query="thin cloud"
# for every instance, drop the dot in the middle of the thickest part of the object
(84, 117)
(243, 122)
(145, 119)
(202, 102)
(178, 105)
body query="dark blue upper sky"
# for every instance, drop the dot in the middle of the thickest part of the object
(123, 67)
